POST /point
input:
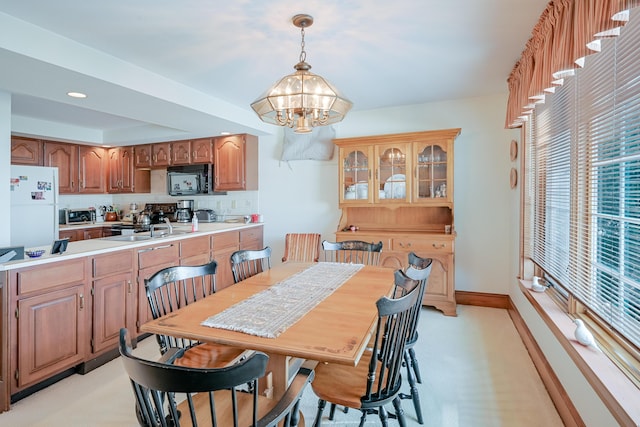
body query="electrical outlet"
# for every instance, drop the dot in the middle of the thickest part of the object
(233, 204)
(218, 205)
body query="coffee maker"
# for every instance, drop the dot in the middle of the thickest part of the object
(184, 210)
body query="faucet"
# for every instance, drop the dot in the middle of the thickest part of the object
(169, 224)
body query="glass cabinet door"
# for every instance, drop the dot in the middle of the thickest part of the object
(431, 173)
(355, 174)
(391, 183)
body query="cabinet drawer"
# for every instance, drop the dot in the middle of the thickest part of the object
(157, 255)
(230, 239)
(195, 246)
(50, 276)
(113, 263)
(429, 244)
(250, 234)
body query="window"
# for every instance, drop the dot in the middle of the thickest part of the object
(583, 203)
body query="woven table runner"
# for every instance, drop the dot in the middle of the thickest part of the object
(270, 312)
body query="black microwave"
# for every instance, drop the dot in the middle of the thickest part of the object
(190, 180)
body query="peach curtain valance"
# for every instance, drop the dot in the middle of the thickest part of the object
(562, 37)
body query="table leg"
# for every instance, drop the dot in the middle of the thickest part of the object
(274, 383)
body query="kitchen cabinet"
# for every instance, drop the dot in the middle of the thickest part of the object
(151, 259)
(224, 244)
(65, 158)
(114, 299)
(81, 168)
(142, 156)
(161, 154)
(398, 189)
(124, 177)
(191, 152)
(26, 151)
(92, 170)
(72, 235)
(49, 335)
(235, 162)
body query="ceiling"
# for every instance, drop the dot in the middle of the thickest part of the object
(159, 70)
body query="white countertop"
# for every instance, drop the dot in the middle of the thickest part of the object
(90, 247)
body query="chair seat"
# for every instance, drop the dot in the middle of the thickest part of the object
(341, 384)
(224, 408)
(208, 355)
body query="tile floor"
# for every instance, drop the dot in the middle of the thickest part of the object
(476, 372)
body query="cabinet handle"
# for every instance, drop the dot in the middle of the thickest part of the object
(438, 246)
(130, 286)
(403, 246)
(81, 301)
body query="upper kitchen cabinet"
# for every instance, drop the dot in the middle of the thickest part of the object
(123, 176)
(197, 151)
(65, 158)
(235, 162)
(398, 169)
(91, 169)
(142, 158)
(161, 154)
(26, 151)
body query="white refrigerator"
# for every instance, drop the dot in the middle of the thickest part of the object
(34, 206)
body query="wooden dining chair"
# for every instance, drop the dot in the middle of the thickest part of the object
(174, 287)
(419, 269)
(301, 247)
(158, 386)
(352, 251)
(246, 263)
(375, 381)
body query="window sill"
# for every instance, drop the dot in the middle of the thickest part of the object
(617, 392)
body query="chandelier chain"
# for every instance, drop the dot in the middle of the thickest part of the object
(303, 54)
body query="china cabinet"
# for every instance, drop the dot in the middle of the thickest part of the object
(398, 189)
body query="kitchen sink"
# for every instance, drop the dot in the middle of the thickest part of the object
(158, 234)
(129, 238)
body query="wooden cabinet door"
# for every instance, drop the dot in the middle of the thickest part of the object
(51, 334)
(72, 235)
(113, 308)
(26, 151)
(142, 156)
(114, 166)
(201, 151)
(161, 154)
(65, 158)
(392, 175)
(355, 175)
(127, 170)
(224, 244)
(92, 169)
(92, 233)
(229, 171)
(181, 153)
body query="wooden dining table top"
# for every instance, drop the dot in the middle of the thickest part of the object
(336, 330)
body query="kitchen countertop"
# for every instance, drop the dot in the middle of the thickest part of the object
(90, 247)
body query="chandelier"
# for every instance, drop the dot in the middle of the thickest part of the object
(302, 100)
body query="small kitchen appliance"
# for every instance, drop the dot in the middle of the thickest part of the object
(184, 210)
(205, 215)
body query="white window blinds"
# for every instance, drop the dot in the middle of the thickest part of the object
(585, 183)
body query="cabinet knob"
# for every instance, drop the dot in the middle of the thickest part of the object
(438, 246)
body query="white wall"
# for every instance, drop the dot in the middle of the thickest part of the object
(5, 163)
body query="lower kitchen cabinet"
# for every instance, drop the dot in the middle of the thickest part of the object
(49, 334)
(114, 299)
(67, 314)
(152, 259)
(51, 328)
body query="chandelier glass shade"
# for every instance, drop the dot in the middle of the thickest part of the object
(302, 100)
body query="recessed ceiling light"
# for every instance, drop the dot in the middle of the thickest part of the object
(225, 133)
(76, 94)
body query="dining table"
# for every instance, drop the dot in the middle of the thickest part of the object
(334, 329)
